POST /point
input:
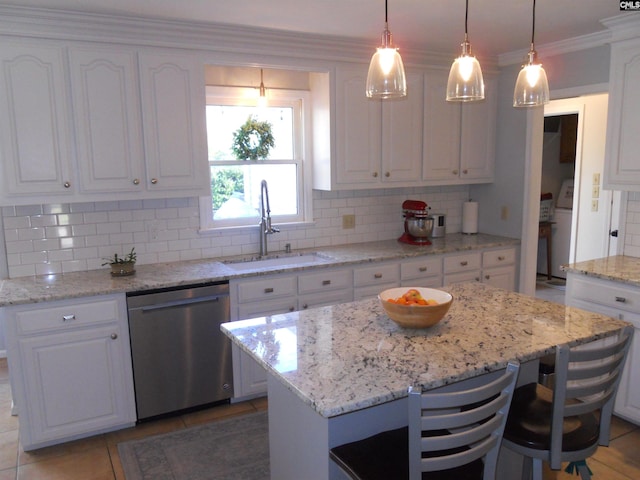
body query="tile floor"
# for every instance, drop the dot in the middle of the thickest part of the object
(96, 458)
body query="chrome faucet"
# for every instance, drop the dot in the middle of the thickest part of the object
(265, 222)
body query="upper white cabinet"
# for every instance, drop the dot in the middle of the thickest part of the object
(622, 170)
(173, 108)
(378, 143)
(106, 106)
(137, 118)
(459, 138)
(34, 127)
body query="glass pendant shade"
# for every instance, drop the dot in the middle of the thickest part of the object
(465, 82)
(532, 87)
(386, 77)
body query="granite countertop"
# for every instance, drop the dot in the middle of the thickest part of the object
(351, 356)
(162, 275)
(618, 268)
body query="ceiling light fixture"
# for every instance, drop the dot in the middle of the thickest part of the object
(386, 78)
(465, 82)
(532, 87)
(262, 99)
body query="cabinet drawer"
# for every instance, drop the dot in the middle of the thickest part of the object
(267, 289)
(498, 258)
(462, 263)
(57, 315)
(324, 281)
(268, 307)
(420, 267)
(376, 275)
(610, 294)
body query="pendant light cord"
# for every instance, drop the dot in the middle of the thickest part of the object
(533, 27)
(466, 18)
(386, 7)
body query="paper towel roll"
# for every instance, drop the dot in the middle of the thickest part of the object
(470, 217)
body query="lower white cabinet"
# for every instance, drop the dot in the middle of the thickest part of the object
(619, 301)
(70, 368)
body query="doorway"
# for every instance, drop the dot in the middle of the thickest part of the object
(591, 206)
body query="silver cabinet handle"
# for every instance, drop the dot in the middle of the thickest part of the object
(387, 174)
(268, 290)
(375, 174)
(305, 306)
(487, 277)
(154, 181)
(464, 263)
(465, 171)
(67, 318)
(377, 275)
(66, 184)
(292, 309)
(326, 282)
(422, 269)
(114, 336)
(621, 299)
(455, 172)
(136, 181)
(501, 258)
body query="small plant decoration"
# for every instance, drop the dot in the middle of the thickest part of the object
(253, 140)
(122, 265)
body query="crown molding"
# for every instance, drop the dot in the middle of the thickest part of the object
(624, 26)
(69, 25)
(575, 44)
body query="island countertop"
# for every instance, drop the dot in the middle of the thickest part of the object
(348, 357)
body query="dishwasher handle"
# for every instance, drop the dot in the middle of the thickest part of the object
(182, 302)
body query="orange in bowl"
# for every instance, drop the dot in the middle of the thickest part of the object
(406, 309)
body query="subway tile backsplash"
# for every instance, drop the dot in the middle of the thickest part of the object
(632, 229)
(59, 238)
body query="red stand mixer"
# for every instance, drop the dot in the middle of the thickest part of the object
(418, 225)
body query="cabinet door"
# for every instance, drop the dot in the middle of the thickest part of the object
(75, 382)
(106, 105)
(628, 398)
(502, 277)
(441, 159)
(358, 128)
(478, 137)
(173, 112)
(35, 121)
(402, 134)
(622, 170)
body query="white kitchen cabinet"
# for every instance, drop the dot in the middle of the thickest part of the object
(498, 268)
(422, 272)
(622, 171)
(326, 287)
(369, 281)
(70, 368)
(619, 301)
(173, 113)
(108, 125)
(377, 143)
(35, 134)
(459, 138)
(463, 267)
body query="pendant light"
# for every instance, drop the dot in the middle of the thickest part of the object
(532, 88)
(262, 99)
(386, 78)
(465, 82)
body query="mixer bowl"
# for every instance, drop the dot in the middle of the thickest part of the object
(419, 227)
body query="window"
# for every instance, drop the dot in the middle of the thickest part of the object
(235, 182)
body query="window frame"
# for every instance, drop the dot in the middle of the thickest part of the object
(299, 100)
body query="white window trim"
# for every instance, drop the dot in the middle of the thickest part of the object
(302, 147)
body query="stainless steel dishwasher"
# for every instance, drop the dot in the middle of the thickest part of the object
(180, 357)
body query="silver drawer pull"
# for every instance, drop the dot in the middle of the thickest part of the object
(268, 290)
(326, 282)
(66, 318)
(422, 269)
(621, 299)
(464, 263)
(114, 336)
(377, 275)
(501, 258)
(292, 309)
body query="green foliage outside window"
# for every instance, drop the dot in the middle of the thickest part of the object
(224, 183)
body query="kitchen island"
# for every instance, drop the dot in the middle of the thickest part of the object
(341, 373)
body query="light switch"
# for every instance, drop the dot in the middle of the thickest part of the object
(595, 191)
(596, 179)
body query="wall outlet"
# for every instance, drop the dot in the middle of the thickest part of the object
(595, 191)
(594, 205)
(504, 213)
(348, 221)
(596, 179)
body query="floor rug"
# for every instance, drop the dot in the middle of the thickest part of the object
(232, 449)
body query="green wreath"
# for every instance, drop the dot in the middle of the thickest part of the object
(253, 140)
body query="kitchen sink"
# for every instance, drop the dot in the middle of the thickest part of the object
(273, 262)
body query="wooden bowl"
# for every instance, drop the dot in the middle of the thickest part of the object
(416, 316)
